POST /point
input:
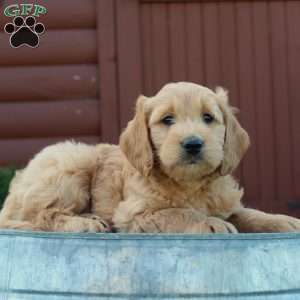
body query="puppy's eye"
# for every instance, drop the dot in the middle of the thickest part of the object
(207, 118)
(168, 120)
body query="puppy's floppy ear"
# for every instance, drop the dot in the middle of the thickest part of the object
(135, 140)
(236, 138)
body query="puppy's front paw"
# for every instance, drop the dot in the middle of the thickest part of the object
(104, 225)
(213, 225)
(86, 224)
(282, 223)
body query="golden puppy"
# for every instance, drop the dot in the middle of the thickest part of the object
(171, 173)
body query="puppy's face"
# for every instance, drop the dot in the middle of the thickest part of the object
(189, 129)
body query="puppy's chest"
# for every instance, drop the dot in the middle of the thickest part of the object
(202, 201)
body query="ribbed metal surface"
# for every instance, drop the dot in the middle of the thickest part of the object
(252, 49)
(112, 266)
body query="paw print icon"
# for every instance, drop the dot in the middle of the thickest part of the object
(24, 32)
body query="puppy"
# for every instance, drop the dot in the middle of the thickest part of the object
(170, 173)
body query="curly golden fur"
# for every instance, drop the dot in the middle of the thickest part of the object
(152, 181)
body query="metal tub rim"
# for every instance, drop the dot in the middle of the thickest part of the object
(147, 236)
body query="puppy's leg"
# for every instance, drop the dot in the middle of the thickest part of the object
(66, 221)
(10, 209)
(19, 225)
(251, 220)
(176, 220)
(53, 190)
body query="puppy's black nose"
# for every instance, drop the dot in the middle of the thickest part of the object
(192, 145)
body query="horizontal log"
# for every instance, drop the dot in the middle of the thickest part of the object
(204, 1)
(56, 47)
(47, 83)
(17, 152)
(61, 14)
(48, 119)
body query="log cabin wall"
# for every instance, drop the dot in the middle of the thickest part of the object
(50, 93)
(97, 56)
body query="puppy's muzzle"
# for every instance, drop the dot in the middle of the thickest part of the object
(192, 145)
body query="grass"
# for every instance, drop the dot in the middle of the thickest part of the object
(6, 175)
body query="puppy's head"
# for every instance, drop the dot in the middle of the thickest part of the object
(190, 130)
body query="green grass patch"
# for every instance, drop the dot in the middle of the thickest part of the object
(6, 175)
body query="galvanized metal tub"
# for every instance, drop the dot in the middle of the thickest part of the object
(46, 266)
